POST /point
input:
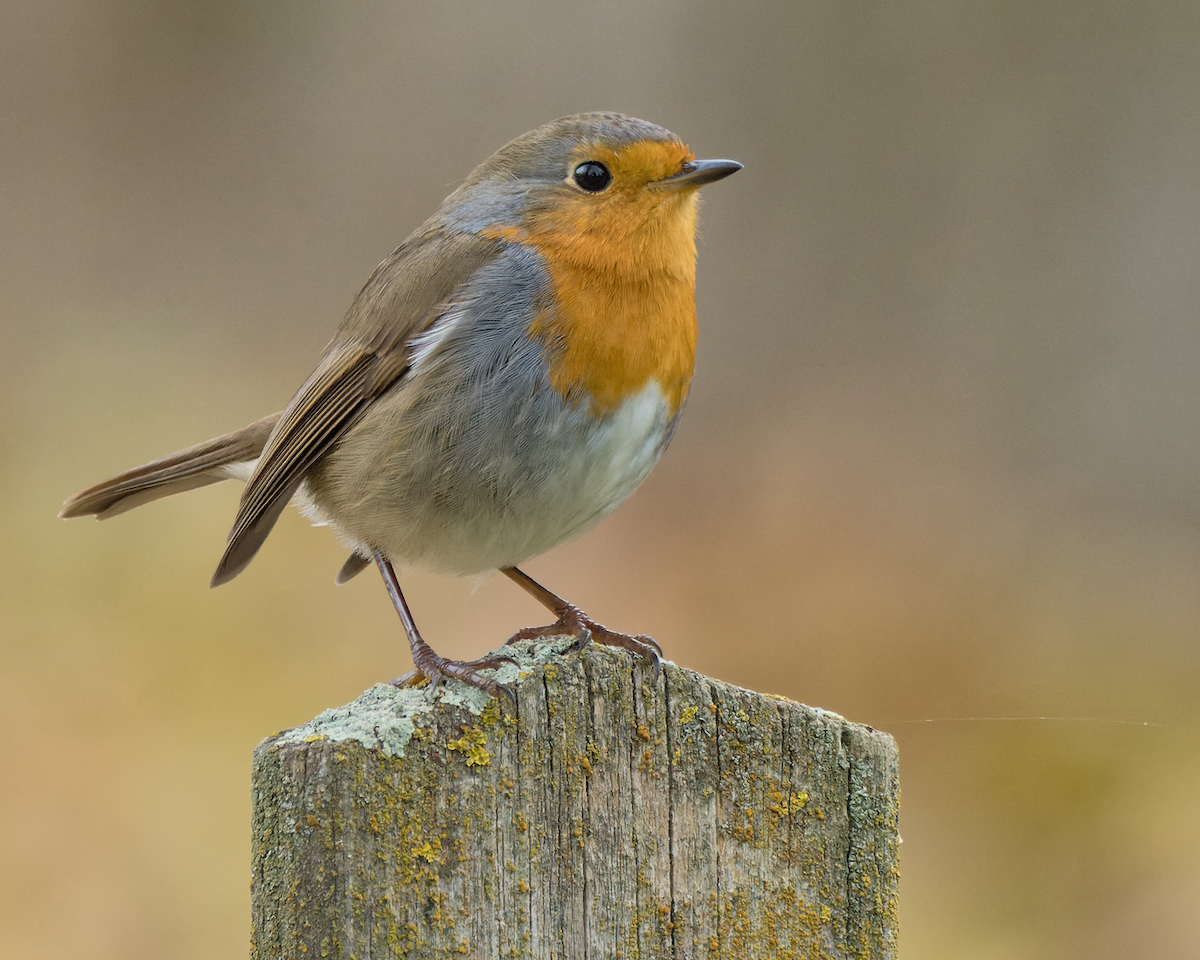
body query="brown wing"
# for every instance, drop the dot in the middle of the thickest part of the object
(369, 353)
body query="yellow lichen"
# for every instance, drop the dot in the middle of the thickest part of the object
(473, 745)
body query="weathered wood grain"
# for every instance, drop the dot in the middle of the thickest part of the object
(610, 815)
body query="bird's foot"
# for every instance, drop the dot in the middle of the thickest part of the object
(574, 622)
(435, 669)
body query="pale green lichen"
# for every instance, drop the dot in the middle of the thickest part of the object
(386, 717)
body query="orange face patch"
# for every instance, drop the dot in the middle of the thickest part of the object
(636, 164)
(623, 267)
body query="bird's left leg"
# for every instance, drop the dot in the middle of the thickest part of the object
(429, 665)
(571, 620)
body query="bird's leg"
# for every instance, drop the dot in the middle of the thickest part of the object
(429, 665)
(571, 620)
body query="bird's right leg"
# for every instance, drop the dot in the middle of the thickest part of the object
(574, 622)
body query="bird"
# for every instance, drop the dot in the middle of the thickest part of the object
(502, 382)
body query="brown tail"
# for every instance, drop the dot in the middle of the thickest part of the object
(194, 467)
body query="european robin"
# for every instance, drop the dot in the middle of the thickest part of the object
(503, 381)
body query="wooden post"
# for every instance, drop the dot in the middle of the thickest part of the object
(608, 815)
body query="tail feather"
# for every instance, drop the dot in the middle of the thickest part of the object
(208, 462)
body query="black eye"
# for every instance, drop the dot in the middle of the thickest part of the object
(592, 176)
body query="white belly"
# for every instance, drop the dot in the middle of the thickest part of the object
(491, 491)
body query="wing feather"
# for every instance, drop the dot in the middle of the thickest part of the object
(368, 355)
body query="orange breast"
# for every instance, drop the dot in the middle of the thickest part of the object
(623, 271)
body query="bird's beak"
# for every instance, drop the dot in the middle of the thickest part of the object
(696, 173)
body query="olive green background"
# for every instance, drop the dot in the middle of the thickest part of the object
(941, 458)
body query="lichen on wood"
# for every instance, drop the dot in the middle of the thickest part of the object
(610, 814)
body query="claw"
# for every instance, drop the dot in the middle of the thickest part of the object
(437, 669)
(574, 622)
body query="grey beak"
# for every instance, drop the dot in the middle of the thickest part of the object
(696, 173)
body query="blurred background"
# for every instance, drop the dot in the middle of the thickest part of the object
(940, 467)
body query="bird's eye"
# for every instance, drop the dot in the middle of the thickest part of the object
(592, 176)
